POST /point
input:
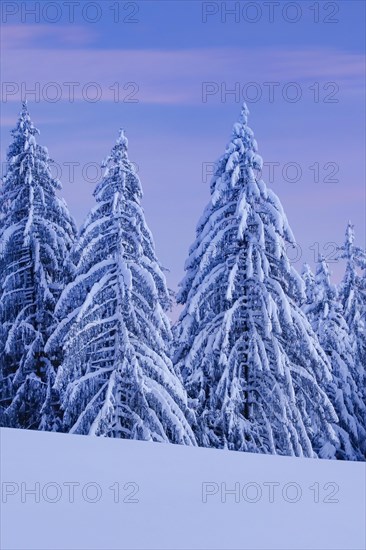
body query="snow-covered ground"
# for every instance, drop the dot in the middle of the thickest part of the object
(75, 492)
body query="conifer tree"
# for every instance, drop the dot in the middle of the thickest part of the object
(36, 234)
(325, 314)
(250, 360)
(352, 294)
(117, 379)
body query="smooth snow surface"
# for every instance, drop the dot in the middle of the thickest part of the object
(167, 481)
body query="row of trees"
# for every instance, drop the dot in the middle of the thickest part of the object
(261, 359)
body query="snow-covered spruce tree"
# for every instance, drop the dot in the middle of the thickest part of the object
(352, 293)
(324, 311)
(117, 379)
(36, 234)
(249, 358)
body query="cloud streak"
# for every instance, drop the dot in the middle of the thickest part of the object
(166, 77)
(48, 36)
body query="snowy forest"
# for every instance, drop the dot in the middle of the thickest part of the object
(262, 359)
